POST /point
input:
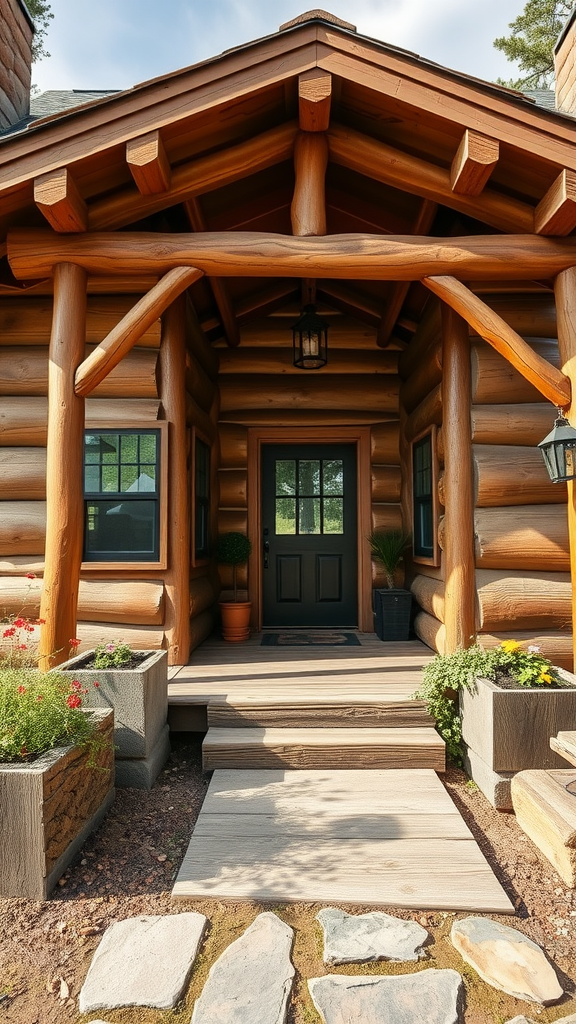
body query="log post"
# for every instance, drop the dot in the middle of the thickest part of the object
(460, 596)
(64, 460)
(565, 295)
(308, 210)
(172, 369)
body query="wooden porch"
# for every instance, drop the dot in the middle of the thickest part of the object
(307, 707)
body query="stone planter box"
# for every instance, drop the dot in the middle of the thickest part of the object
(507, 731)
(49, 808)
(139, 697)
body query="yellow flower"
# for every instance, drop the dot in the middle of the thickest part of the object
(510, 645)
(545, 677)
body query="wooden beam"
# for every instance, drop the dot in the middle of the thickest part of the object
(411, 174)
(57, 197)
(549, 381)
(314, 99)
(172, 378)
(33, 253)
(565, 294)
(473, 164)
(132, 326)
(148, 164)
(556, 212)
(422, 225)
(459, 559)
(264, 301)
(196, 177)
(219, 289)
(308, 210)
(350, 301)
(64, 468)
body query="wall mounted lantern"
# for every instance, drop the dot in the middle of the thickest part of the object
(310, 339)
(559, 451)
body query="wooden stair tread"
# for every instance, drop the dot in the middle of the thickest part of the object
(288, 713)
(564, 744)
(420, 735)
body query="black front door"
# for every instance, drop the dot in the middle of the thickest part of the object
(310, 541)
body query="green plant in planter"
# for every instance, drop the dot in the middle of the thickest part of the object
(115, 654)
(233, 549)
(388, 547)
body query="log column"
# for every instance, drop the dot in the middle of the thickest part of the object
(460, 593)
(172, 368)
(65, 445)
(565, 294)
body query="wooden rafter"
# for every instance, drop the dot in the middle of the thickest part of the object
(57, 197)
(126, 334)
(473, 164)
(314, 99)
(556, 212)
(32, 254)
(148, 164)
(393, 167)
(219, 289)
(549, 381)
(265, 301)
(350, 301)
(196, 177)
(422, 225)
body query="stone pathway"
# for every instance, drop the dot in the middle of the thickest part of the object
(147, 961)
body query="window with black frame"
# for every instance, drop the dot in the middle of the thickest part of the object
(201, 500)
(122, 495)
(423, 482)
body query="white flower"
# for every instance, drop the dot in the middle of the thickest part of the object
(533, 649)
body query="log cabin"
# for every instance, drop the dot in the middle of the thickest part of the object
(157, 246)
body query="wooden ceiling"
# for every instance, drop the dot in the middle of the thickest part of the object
(413, 149)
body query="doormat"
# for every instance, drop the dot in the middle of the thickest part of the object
(325, 638)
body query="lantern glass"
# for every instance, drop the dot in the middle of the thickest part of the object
(310, 340)
(559, 451)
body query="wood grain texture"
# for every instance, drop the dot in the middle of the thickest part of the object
(256, 359)
(233, 488)
(314, 100)
(308, 209)
(554, 644)
(429, 594)
(549, 381)
(423, 380)
(545, 810)
(524, 424)
(556, 212)
(148, 163)
(57, 197)
(565, 745)
(22, 528)
(306, 712)
(118, 343)
(137, 602)
(261, 391)
(565, 294)
(386, 516)
(23, 474)
(386, 483)
(64, 468)
(28, 320)
(509, 599)
(25, 372)
(475, 159)
(198, 344)
(459, 597)
(506, 475)
(522, 537)
(233, 445)
(495, 380)
(219, 287)
(23, 421)
(384, 444)
(431, 631)
(425, 415)
(198, 384)
(33, 253)
(532, 316)
(203, 594)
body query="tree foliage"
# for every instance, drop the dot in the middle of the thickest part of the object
(41, 15)
(532, 40)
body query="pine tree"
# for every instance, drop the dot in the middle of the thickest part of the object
(41, 15)
(532, 40)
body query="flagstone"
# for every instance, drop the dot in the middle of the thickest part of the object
(362, 938)
(429, 997)
(143, 961)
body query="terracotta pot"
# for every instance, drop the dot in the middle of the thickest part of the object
(235, 620)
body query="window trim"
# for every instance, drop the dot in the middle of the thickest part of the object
(199, 435)
(434, 558)
(134, 427)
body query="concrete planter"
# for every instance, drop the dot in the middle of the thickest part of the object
(49, 808)
(507, 731)
(139, 697)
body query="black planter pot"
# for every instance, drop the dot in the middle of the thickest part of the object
(392, 614)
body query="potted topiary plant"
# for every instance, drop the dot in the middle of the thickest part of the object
(234, 549)
(392, 606)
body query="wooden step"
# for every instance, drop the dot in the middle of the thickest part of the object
(318, 713)
(332, 748)
(545, 806)
(565, 745)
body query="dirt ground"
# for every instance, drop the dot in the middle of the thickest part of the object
(128, 866)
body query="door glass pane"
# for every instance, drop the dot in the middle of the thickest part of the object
(285, 477)
(285, 515)
(333, 515)
(309, 479)
(332, 476)
(309, 518)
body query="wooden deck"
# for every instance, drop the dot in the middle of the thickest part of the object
(385, 838)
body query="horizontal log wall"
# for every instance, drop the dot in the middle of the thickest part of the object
(119, 604)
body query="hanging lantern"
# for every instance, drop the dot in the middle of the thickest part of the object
(310, 338)
(559, 451)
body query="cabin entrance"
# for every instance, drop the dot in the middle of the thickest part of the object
(309, 536)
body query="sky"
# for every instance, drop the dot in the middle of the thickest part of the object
(114, 44)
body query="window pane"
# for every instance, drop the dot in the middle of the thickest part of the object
(309, 518)
(109, 447)
(92, 478)
(148, 448)
(309, 478)
(127, 529)
(128, 478)
(285, 515)
(147, 479)
(333, 515)
(109, 478)
(285, 477)
(332, 476)
(129, 447)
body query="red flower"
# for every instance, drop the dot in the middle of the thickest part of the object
(73, 701)
(22, 647)
(75, 685)
(29, 628)
(74, 643)
(9, 632)
(30, 575)
(21, 689)
(19, 623)
(96, 683)
(39, 697)
(40, 622)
